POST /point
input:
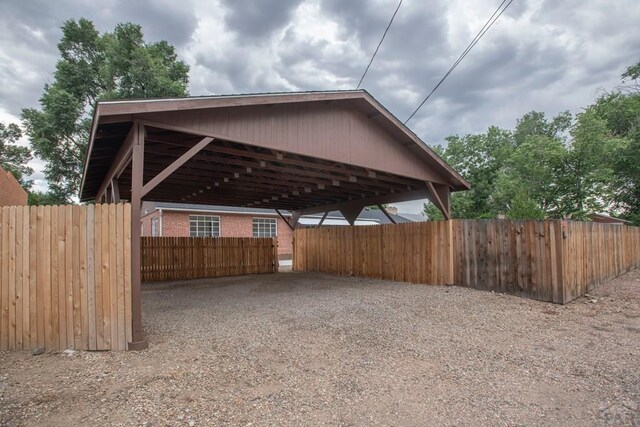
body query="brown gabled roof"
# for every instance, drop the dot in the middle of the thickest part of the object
(115, 117)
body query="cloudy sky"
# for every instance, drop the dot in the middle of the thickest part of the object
(544, 55)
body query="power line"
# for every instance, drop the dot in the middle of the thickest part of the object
(475, 40)
(381, 40)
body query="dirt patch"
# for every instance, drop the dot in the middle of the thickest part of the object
(310, 349)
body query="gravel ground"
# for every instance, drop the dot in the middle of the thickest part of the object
(312, 349)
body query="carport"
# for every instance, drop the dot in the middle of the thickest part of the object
(307, 152)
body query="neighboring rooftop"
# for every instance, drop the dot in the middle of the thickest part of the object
(413, 217)
(333, 218)
(608, 219)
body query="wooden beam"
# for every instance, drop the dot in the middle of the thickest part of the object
(384, 211)
(280, 156)
(351, 213)
(310, 173)
(444, 192)
(208, 170)
(175, 165)
(434, 196)
(122, 159)
(370, 201)
(322, 219)
(295, 217)
(286, 220)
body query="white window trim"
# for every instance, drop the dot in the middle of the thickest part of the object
(157, 226)
(207, 216)
(275, 220)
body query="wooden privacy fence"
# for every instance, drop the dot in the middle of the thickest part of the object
(175, 258)
(413, 252)
(594, 253)
(65, 277)
(545, 260)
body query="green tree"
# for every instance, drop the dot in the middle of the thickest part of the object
(522, 206)
(39, 198)
(534, 123)
(588, 171)
(14, 158)
(509, 170)
(432, 212)
(92, 67)
(479, 159)
(621, 112)
(553, 168)
(529, 177)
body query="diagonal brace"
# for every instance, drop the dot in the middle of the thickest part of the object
(384, 211)
(440, 197)
(175, 165)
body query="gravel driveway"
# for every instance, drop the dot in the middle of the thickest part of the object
(313, 349)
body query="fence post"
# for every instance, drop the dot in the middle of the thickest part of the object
(276, 261)
(450, 269)
(294, 250)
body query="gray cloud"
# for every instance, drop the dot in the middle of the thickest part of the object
(32, 31)
(258, 19)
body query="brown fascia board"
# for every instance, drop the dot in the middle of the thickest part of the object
(140, 106)
(417, 142)
(87, 154)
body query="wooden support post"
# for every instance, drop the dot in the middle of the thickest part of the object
(451, 253)
(138, 342)
(384, 211)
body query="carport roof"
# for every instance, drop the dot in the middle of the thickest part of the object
(301, 151)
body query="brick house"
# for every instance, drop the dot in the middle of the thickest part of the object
(11, 192)
(183, 219)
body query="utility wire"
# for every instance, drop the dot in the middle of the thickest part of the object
(494, 17)
(381, 40)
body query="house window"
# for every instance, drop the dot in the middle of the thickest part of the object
(204, 226)
(264, 227)
(154, 227)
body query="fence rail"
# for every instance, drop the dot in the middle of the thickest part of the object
(176, 258)
(545, 260)
(65, 277)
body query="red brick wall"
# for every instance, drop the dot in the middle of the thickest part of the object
(11, 192)
(176, 224)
